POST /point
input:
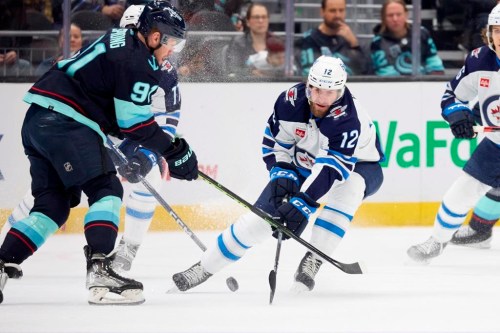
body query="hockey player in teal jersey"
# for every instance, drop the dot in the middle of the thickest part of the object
(105, 89)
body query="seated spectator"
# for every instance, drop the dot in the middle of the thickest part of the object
(75, 43)
(270, 62)
(253, 40)
(112, 9)
(333, 37)
(13, 17)
(476, 19)
(391, 45)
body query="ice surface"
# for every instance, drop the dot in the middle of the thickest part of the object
(458, 292)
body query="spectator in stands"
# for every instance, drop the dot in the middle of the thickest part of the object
(41, 6)
(75, 43)
(252, 41)
(269, 63)
(391, 45)
(113, 9)
(333, 37)
(13, 17)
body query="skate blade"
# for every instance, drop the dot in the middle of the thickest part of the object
(102, 296)
(481, 245)
(298, 288)
(174, 290)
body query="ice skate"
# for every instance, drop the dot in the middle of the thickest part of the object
(125, 254)
(425, 251)
(307, 270)
(106, 287)
(191, 277)
(466, 236)
(8, 271)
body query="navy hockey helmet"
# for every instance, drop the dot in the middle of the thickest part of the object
(167, 19)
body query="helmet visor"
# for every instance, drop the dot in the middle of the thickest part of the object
(323, 97)
(177, 44)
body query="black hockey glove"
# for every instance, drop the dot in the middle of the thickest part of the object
(284, 182)
(461, 124)
(139, 164)
(295, 213)
(182, 162)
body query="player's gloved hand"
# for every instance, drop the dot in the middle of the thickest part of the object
(461, 123)
(284, 182)
(139, 164)
(295, 213)
(181, 160)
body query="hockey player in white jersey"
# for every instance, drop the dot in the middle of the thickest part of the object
(166, 104)
(319, 144)
(480, 78)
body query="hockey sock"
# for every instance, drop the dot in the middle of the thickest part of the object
(101, 224)
(27, 236)
(233, 242)
(329, 229)
(138, 215)
(486, 213)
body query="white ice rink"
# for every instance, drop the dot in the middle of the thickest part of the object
(458, 292)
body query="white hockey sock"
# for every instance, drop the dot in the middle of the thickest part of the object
(138, 216)
(329, 229)
(457, 202)
(233, 242)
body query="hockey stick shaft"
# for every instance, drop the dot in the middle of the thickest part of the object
(274, 273)
(353, 268)
(486, 129)
(158, 197)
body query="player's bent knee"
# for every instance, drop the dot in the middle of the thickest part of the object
(103, 186)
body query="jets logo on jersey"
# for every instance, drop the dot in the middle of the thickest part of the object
(304, 160)
(291, 96)
(495, 112)
(166, 66)
(338, 112)
(300, 132)
(475, 52)
(484, 82)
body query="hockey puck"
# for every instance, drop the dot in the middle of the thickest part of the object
(232, 284)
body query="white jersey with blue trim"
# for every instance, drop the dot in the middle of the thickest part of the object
(479, 77)
(166, 101)
(325, 150)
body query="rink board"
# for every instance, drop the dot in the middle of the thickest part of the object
(422, 157)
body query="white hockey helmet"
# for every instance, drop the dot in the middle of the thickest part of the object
(131, 16)
(493, 19)
(328, 73)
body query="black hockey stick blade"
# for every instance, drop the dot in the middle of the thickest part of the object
(1, 296)
(353, 268)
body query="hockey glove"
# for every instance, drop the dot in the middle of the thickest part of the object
(181, 160)
(461, 123)
(295, 213)
(284, 182)
(139, 164)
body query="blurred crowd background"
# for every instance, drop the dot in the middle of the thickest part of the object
(239, 40)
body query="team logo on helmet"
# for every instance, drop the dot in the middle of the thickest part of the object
(291, 95)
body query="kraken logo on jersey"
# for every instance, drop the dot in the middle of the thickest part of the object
(291, 95)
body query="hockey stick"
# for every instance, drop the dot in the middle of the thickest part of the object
(274, 272)
(353, 268)
(231, 282)
(486, 129)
